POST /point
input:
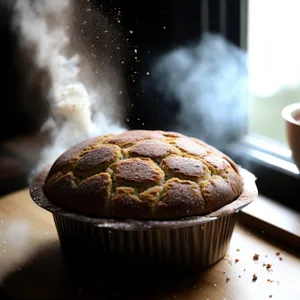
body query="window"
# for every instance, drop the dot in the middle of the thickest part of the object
(274, 64)
(269, 35)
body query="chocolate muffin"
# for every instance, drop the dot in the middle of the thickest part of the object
(143, 175)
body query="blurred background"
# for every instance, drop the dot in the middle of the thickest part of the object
(218, 70)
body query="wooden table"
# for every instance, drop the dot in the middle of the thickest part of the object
(32, 267)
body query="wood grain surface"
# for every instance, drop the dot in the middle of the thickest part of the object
(32, 266)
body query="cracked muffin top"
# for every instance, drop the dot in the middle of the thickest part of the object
(145, 175)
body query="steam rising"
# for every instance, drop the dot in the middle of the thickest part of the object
(76, 111)
(209, 80)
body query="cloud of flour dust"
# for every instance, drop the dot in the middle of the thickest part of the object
(76, 111)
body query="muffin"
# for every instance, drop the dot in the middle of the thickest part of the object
(143, 175)
(153, 197)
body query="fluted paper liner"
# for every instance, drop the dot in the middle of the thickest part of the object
(192, 242)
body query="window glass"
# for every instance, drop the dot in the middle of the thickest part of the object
(274, 64)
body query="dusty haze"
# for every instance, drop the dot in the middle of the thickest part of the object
(81, 106)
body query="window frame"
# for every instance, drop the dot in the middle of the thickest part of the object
(272, 165)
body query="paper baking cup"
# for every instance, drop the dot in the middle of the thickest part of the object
(187, 243)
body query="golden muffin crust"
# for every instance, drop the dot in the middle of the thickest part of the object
(143, 174)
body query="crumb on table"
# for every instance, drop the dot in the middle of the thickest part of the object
(227, 279)
(269, 266)
(277, 253)
(255, 256)
(254, 278)
(237, 260)
(280, 258)
(237, 249)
